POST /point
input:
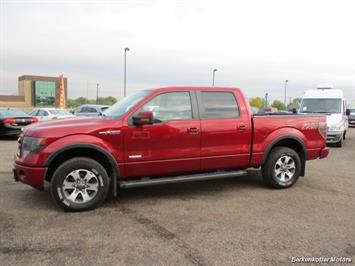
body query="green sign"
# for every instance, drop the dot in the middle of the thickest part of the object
(45, 93)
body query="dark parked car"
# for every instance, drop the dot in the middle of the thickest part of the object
(90, 110)
(352, 117)
(13, 120)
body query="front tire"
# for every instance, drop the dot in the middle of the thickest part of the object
(339, 144)
(282, 168)
(79, 184)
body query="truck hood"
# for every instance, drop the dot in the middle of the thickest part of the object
(334, 119)
(65, 127)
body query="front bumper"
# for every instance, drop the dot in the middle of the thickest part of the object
(33, 176)
(334, 136)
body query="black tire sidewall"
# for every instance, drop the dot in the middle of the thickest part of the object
(339, 144)
(67, 167)
(276, 154)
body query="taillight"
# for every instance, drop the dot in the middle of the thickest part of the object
(34, 120)
(322, 127)
(9, 121)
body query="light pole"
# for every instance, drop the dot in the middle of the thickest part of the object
(286, 81)
(125, 71)
(214, 71)
(97, 93)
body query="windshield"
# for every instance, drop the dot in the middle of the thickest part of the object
(125, 104)
(59, 112)
(332, 106)
(12, 113)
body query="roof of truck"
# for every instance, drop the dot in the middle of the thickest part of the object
(196, 88)
(323, 93)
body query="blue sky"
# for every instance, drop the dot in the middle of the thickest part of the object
(255, 45)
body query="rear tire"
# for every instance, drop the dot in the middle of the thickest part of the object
(282, 168)
(79, 184)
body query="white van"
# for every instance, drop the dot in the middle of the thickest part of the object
(329, 101)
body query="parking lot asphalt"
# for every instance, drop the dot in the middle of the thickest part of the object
(234, 221)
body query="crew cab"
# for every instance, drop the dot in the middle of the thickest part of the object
(162, 136)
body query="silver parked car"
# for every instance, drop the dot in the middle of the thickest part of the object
(46, 114)
(90, 110)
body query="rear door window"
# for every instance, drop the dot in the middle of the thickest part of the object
(219, 105)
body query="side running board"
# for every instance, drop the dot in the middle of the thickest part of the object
(181, 179)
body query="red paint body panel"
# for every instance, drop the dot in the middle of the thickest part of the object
(164, 148)
(175, 146)
(33, 176)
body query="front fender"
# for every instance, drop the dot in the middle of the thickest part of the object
(79, 140)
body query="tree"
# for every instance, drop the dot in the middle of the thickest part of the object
(109, 100)
(294, 104)
(278, 104)
(73, 103)
(257, 102)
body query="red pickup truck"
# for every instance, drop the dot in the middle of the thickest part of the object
(162, 136)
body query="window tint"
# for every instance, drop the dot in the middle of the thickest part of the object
(219, 105)
(34, 113)
(86, 109)
(170, 106)
(41, 113)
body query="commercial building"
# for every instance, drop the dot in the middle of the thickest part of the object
(37, 91)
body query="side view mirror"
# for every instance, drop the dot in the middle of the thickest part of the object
(347, 112)
(143, 118)
(294, 110)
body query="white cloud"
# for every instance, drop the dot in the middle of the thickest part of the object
(254, 44)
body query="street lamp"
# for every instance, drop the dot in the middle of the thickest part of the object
(214, 71)
(286, 81)
(125, 71)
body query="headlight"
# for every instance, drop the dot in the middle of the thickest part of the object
(33, 144)
(339, 127)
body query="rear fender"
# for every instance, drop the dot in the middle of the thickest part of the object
(288, 137)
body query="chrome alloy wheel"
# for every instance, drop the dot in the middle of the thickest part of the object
(285, 168)
(80, 186)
